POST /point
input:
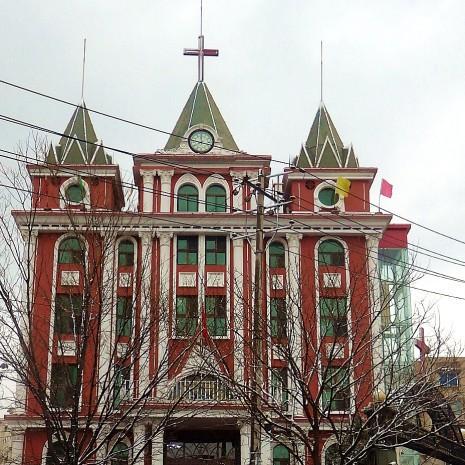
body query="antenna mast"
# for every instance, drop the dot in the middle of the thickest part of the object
(321, 71)
(83, 70)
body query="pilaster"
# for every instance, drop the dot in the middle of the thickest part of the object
(145, 314)
(140, 442)
(165, 181)
(17, 446)
(238, 295)
(245, 443)
(147, 194)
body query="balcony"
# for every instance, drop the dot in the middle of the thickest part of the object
(199, 388)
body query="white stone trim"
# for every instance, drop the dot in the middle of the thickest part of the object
(74, 181)
(188, 178)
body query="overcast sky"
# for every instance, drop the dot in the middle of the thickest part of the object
(393, 83)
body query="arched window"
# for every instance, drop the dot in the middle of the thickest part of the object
(331, 455)
(71, 250)
(75, 193)
(216, 199)
(119, 454)
(126, 253)
(281, 455)
(188, 198)
(55, 454)
(277, 255)
(331, 253)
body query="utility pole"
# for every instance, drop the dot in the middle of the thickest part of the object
(257, 332)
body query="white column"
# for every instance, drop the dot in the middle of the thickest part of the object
(147, 193)
(139, 443)
(164, 239)
(106, 349)
(238, 293)
(245, 444)
(165, 179)
(157, 446)
(17, 444)
(295, 323)
(266, 451)
(145, 323)
(374, 289)
(237, 199)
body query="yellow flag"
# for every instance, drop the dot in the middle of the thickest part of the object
(342, 187)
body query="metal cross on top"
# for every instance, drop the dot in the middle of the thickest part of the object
(201, 52)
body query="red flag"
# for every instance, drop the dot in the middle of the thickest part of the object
(386, 188)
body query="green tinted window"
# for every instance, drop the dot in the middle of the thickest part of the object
(278, 319)
(277, 255)
(119, 454)
(186, 315)
(215, 309)
(331, 253)
(75, 193)
(187, 250)
(124, 316)
(333, 317)
(188, 199)
(68, 313)
(62, 383)
(71, 250)
(215, 250)
(216, 199)
(126, 253)
(336, 388)
(122, 384)
(328, 196)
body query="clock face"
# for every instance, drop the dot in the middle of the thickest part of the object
(201, 141)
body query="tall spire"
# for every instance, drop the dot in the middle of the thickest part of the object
(324, 147)
(201, 51)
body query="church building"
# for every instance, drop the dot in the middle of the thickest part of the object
(141, 328)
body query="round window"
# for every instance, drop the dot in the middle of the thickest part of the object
(75, 193)
(328, 196)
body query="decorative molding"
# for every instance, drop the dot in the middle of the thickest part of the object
(332, 280)
(125, 280)
(187, 279)
(277, 281)
(70, 278)
(215, 279)
(67, 348)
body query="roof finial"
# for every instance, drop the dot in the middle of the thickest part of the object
(321, 71)
(83, 70)
(201, 51)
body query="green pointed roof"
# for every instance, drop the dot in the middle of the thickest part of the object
(324, 147)
(201, 109)
(79, 144)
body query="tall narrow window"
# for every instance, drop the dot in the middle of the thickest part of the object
(277, 255)
(188, 198)
(215, 309)
(281, 455)
(331, 253)
(123, 316)
(215, 250)
(62, 384)
(186, 315)
(71, 250)
(278, 318)
(279, 386)
(68, 314)
(119, 454)
(336, 389)
(187, 250)
(216, 199)
(333, 317)
(122, 389)
(126, 253)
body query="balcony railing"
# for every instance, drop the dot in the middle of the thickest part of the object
(201, 389)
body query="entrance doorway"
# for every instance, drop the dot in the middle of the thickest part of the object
(202, 448)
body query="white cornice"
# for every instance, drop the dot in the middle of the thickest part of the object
(352, 174)
(69, 171)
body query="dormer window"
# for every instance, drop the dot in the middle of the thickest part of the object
(75, 193)
(328, 197)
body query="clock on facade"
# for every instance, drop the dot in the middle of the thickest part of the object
(201, 141)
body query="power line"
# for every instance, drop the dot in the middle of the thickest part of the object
(168, 133)
(140, 215)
